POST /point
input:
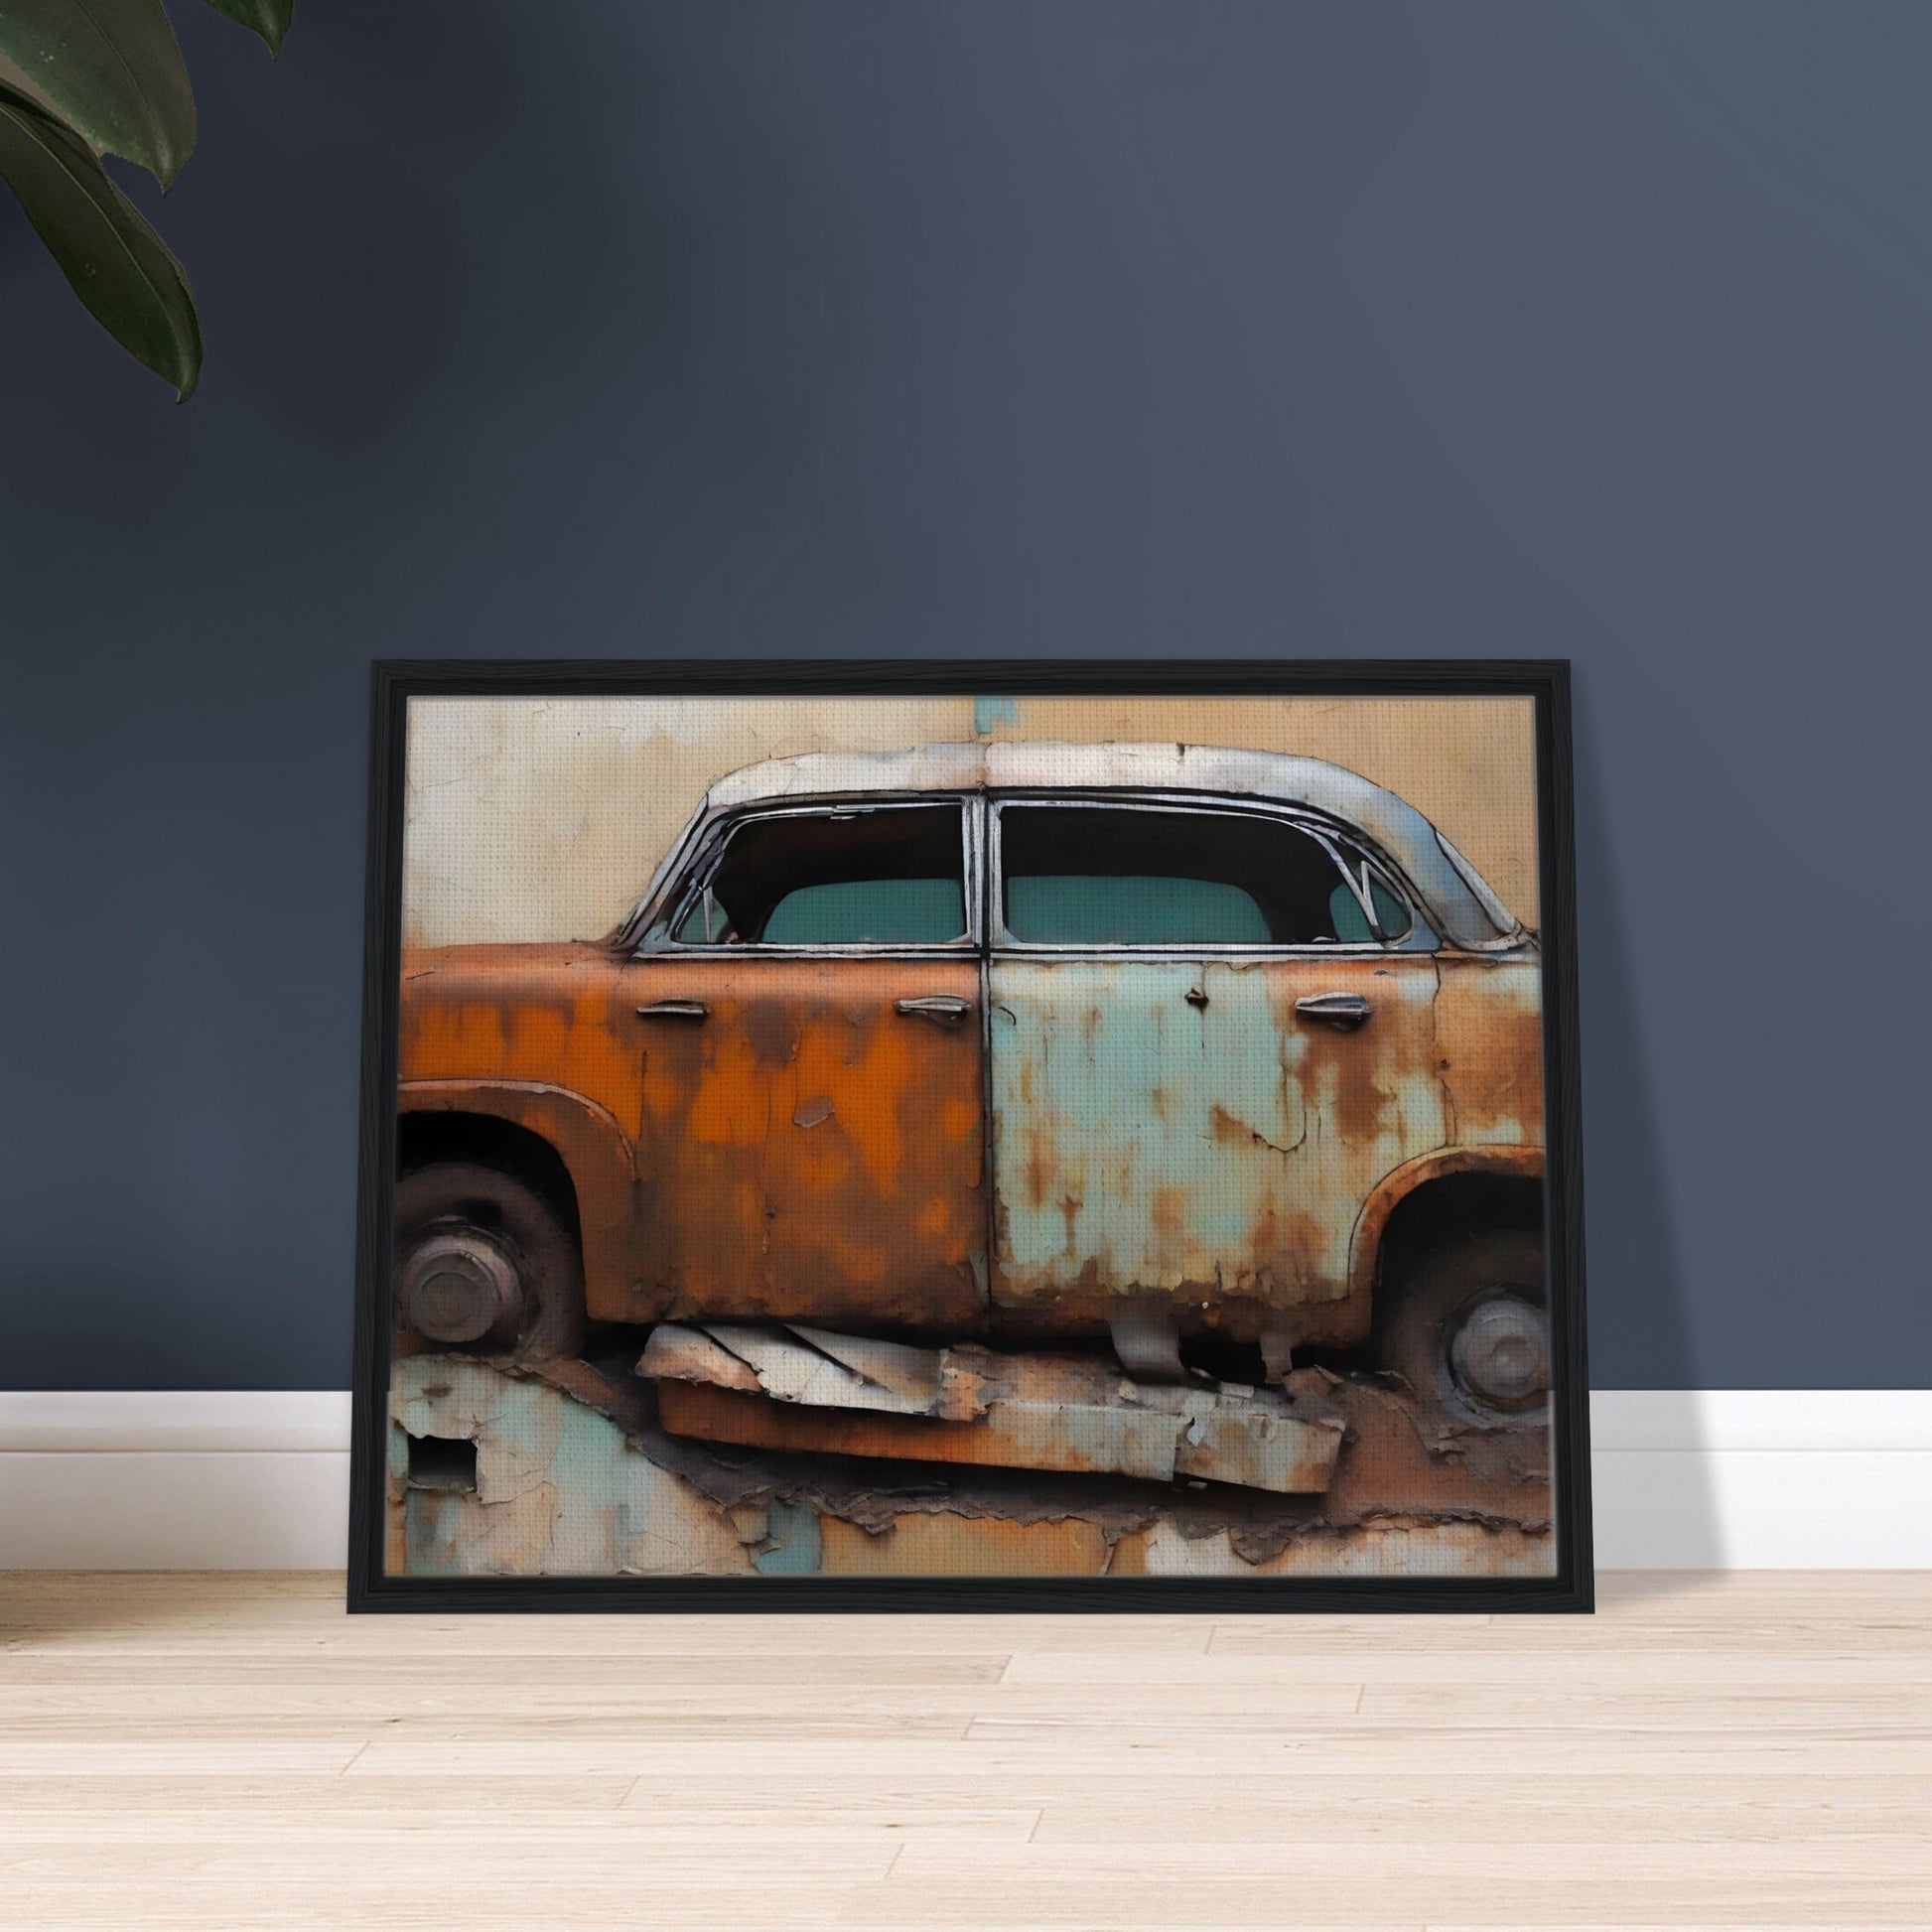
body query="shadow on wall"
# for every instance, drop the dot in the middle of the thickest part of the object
(1659, 1497)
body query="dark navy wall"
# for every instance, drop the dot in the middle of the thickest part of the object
(1003, 329)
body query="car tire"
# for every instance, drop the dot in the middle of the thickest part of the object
(484, 1262)
(1467, 1328)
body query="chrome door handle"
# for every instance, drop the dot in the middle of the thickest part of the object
(942, 1009)
(674, 1010)
(1344, 1009)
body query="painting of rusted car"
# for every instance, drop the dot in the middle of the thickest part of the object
(1137, 1136)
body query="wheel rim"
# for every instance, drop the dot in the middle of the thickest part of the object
(458, 1286)
(1499, 1354)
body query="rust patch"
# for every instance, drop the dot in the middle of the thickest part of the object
(1402, 1459)
(959, 1546)
(1489, 1049)
(770, 1031)
(1039, 1168)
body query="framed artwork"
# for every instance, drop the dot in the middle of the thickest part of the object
(971, 1135)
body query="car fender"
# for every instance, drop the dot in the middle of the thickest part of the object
(1507, 1160)
(595, 1152)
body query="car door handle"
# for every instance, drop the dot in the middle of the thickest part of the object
(1344, 1009)
(674, 1010)
(942, 1009)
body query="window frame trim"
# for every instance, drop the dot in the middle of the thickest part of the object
(706, 851)
(1332, 836)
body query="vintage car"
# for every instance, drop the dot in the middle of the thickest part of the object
(1225, 1060)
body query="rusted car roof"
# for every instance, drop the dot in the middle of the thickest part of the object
(1462, 906)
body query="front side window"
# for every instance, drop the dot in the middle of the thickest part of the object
(1124, 875)
(871, 876)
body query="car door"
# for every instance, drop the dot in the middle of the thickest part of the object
(811, 1144)
(1210, 1035)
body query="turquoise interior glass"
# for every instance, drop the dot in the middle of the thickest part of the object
(869, 911)
(1132, 909)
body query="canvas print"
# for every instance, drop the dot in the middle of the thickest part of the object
(1068, 1135)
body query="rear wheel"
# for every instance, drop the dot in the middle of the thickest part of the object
(1467, 1329)
(483, 1260)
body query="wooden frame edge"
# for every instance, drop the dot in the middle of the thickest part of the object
(1544, 680)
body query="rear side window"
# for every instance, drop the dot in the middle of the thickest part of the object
(1364, 912)
(884, 876)
(1119, 876)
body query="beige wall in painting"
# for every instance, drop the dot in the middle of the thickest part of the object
(543, 819)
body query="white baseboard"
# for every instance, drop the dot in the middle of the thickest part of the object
(1763, 1479)
(199, 1480)
(1691, 1480)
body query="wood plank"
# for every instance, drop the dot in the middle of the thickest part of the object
(1745, 1751)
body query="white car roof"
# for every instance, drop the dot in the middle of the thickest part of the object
(1032, 765)
(1462, 906)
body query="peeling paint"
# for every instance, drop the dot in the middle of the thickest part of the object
(1027, 1412)
(558, 1491)
(615, 1496)
(815, 1367)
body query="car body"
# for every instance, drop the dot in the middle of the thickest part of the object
(1009, 1039)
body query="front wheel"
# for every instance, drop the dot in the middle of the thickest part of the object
(484, 1262)
(1469, 1330)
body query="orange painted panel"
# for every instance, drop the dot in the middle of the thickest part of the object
(807, 1149)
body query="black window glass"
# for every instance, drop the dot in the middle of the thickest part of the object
(884, 876)
(1081, 875)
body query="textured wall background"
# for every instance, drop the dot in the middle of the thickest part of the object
(1094, 329)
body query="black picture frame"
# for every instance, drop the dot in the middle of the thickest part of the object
(1570, 1588)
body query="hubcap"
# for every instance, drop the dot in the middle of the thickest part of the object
(1501, 1352)
(458, 1286)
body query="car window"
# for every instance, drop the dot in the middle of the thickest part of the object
(1127, 875)
(1350, 905)
(866, 875)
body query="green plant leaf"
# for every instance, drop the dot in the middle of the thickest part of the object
(268, 18)
(118, 266)
(111, 71)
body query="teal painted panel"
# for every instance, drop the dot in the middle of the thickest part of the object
(796, 1543)
(1212, 1145)
(560, 1491)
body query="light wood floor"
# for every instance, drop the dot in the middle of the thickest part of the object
(233, 1751)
